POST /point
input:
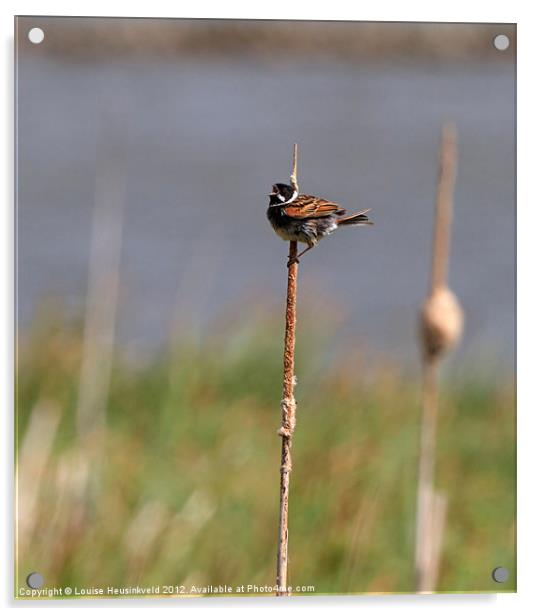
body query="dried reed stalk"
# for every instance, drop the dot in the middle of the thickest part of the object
(33, 457)
(103, 280)
(441, 322)
(288, 404)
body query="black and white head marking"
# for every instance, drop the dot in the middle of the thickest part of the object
(282, 194)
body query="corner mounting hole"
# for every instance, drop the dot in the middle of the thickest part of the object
(35, 580)
(501, 42)
(36, 35)
(500, 575)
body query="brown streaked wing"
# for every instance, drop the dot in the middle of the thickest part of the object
(307, 206)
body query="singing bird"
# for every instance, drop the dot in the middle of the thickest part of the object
(307, 219)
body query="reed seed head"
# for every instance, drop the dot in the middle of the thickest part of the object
(441, 322)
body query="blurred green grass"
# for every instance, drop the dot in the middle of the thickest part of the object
(185, 488)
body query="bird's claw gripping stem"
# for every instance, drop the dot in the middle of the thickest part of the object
(291, 261)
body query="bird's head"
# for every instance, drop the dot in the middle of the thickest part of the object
(282, 194)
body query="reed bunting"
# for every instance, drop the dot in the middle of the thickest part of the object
(307, 219)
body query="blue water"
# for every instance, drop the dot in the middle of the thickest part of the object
(205, 143)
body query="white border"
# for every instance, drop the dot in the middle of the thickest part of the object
(528, 265)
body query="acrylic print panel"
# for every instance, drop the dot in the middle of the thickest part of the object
(162, 448)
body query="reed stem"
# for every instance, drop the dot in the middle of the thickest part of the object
(441, 323)
(288, 406)
(444, 207)
(425, 559)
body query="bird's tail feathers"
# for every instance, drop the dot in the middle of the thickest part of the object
(359, 218)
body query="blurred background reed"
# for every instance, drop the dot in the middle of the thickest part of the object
(150, 290)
